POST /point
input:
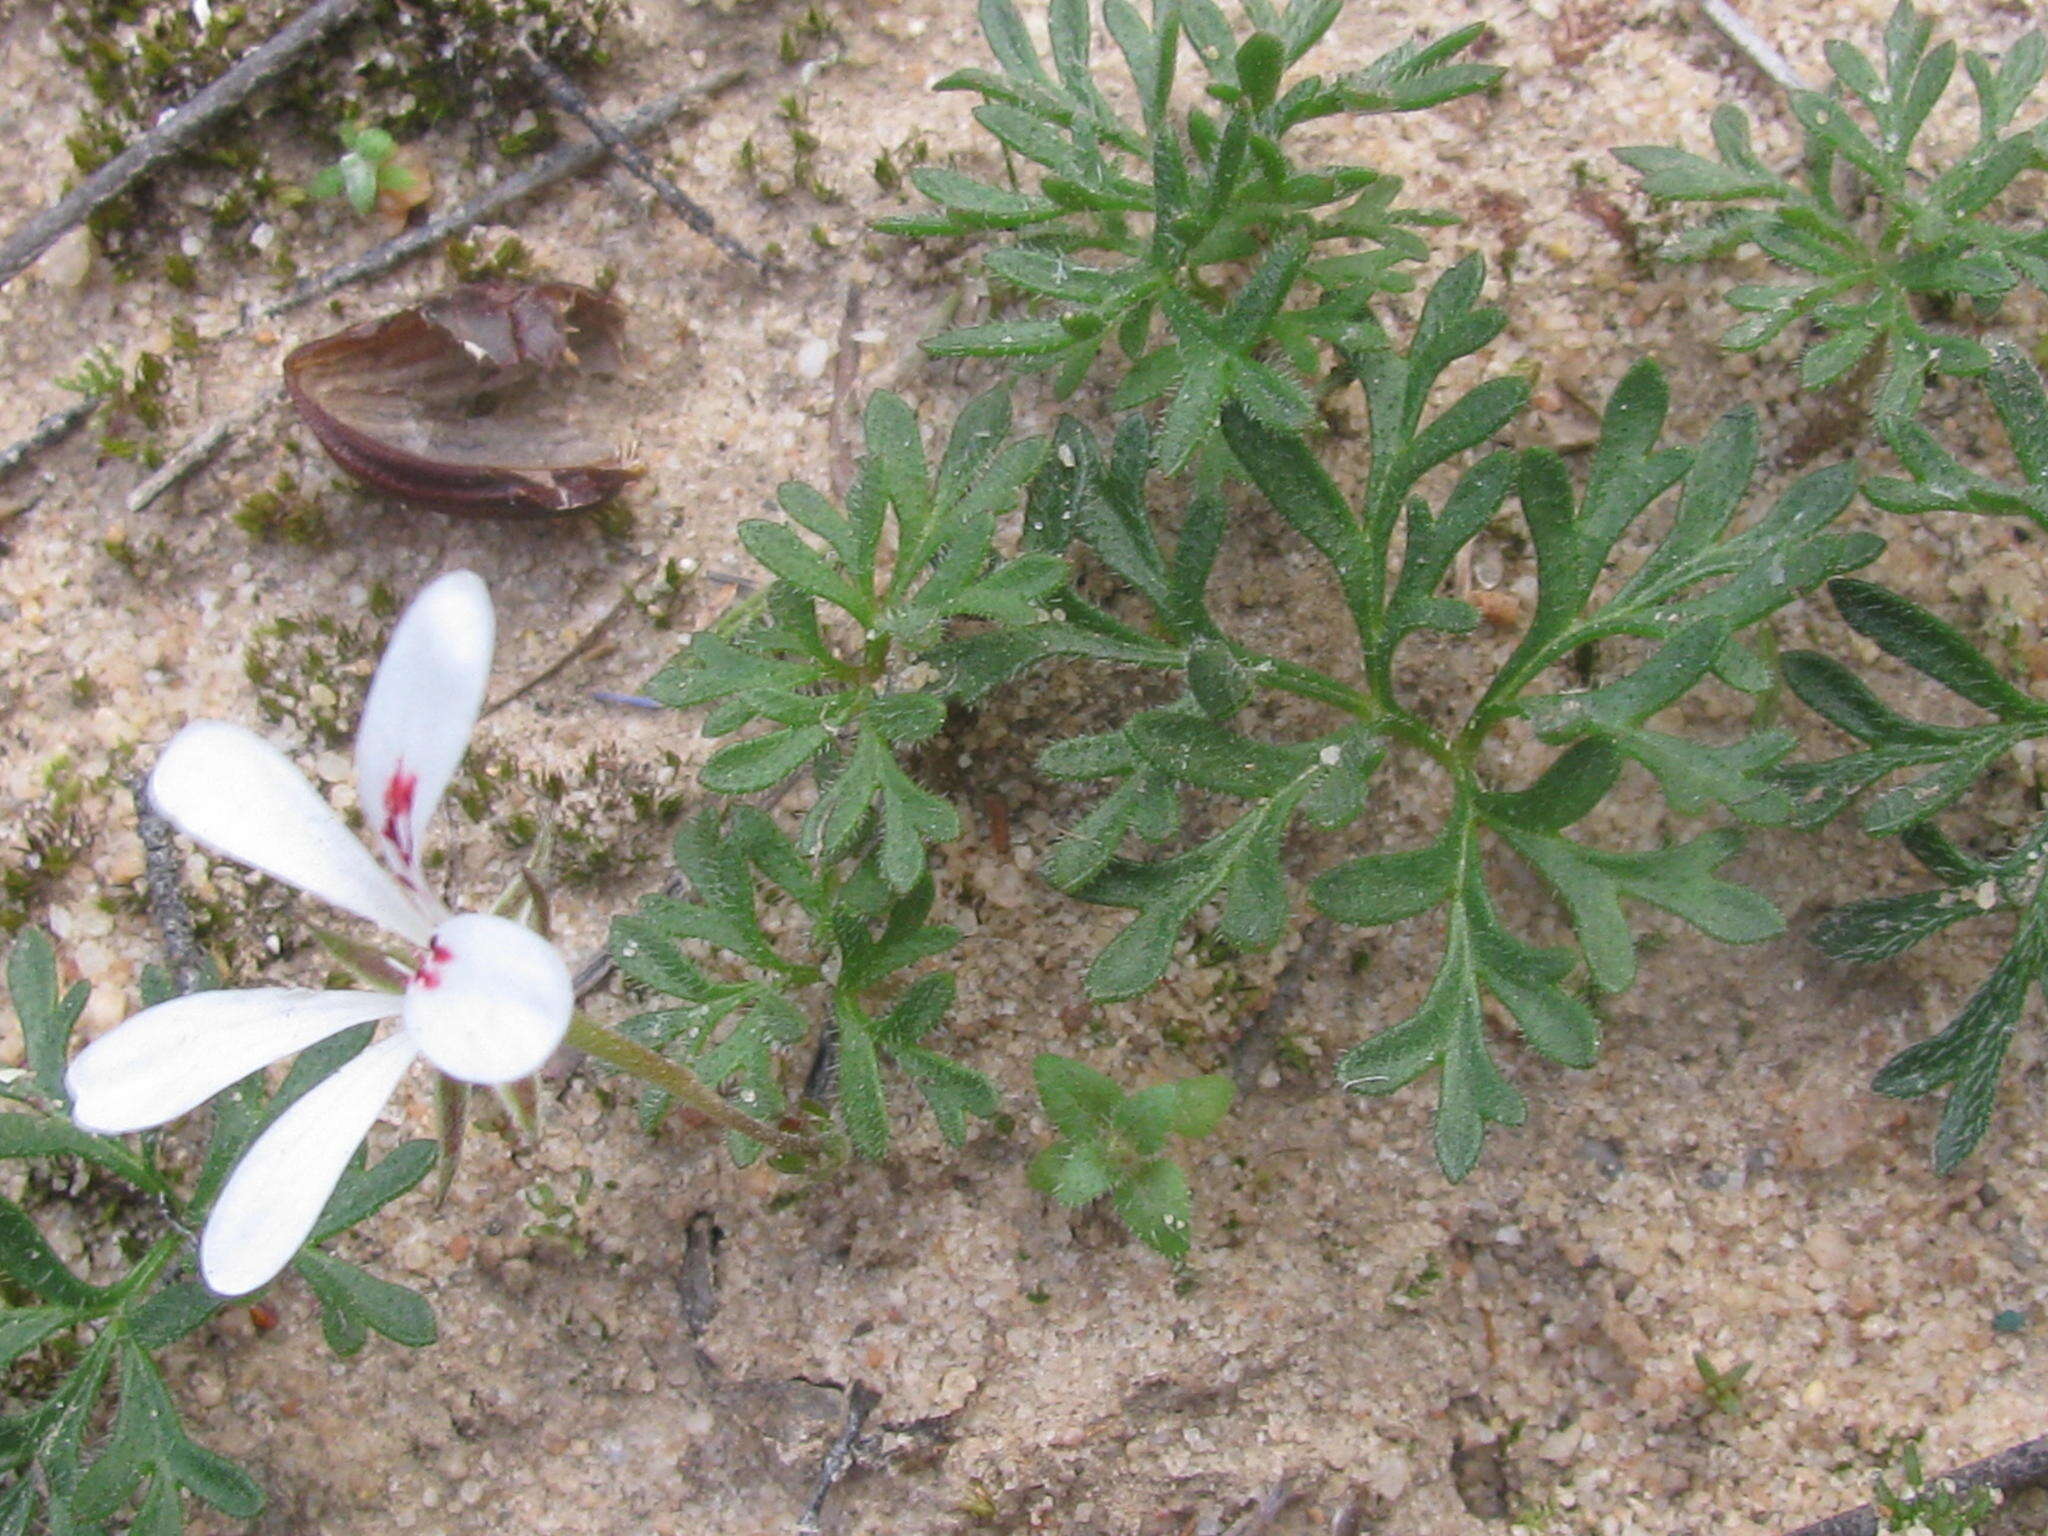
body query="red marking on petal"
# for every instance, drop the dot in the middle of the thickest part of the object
(397, 828)
(429, 973)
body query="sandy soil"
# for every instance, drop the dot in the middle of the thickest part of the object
(675, 1358)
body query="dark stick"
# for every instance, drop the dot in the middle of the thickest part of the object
(550, 168)
(860, 1402)
(1259, 1519)
(53, 428)
(1253, 1049)
(563, 92)
(2016, 1467)
(190, 968)
(174, 132)
(581, 648)
(697, 1277)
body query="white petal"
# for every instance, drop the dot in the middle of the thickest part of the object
(179, 1054)
(281, 1185)
(423, 704)
(490, 1002)
(239, 795)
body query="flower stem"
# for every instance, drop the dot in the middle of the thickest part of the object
(677, 1080)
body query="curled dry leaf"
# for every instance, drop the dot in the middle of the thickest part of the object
(411, 189)
(486, 399)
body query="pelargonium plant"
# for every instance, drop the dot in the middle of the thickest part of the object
(282, 1171)
(479, 997)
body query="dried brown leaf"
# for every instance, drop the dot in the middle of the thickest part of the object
(482, 400)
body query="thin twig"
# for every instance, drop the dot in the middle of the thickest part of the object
(1753, 45)
(2016, 1467)
(162, 874)
(544, 172)
(1257, 1520)
(53, 428)
(563, 92)
(174, 132)
(189, 459)
(697, 1275)
(1254, 1048)
(581, 648)
(860, 1402)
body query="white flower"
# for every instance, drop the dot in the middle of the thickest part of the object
(487, 1002)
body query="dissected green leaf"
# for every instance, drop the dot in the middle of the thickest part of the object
(363, 1192)
(352, 1300)
(1679, 879)
(1966, 1057)
(27, 1259)
(47, 1014)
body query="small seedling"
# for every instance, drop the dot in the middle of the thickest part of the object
(1723, 1390)
(560, 1220)
(368, 168)
(1418, 1288)
(1937, 1508)
(1112, 1143)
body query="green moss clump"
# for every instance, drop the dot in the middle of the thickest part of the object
(468, 260)
(607, 820)
(311, 674)
(134, 403)
(284, 512)
(50, 836)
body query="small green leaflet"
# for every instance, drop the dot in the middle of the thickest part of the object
(1112, 1143)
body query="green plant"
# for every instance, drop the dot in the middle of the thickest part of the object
(1113, 1143)
(738, 1017)
(1945, 762)
(368, 167)
(1875, 259)
(559, 1220)
(1879, 246)
(1655, 638)
(137, 395)
(74, 1341)
(846, 709)
(282, 510)
(1723, 1390)
(1939, 1508)
(1200, 218)
(795, 968)
(1941, 483)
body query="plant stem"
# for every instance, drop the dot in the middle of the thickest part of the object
(678, 1081)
